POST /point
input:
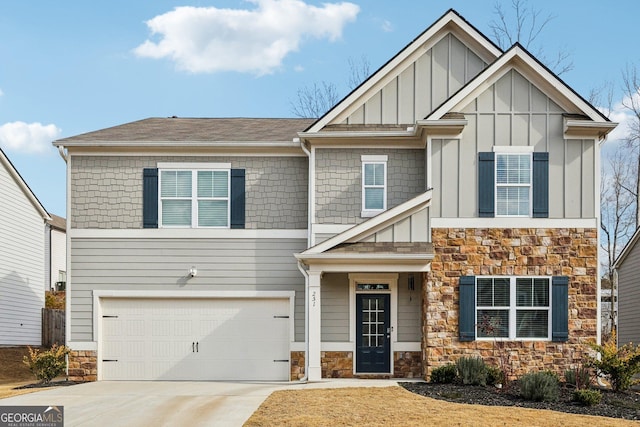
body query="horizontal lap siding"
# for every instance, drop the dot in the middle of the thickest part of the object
(162, 264)
(409, 308)
(629, 297)
(22, 265)
(334, 307)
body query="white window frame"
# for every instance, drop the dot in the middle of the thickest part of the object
(194, 168)
(373, 160)
(511, 185)
(513, 309)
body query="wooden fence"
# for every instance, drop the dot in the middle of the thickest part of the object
(53, 324)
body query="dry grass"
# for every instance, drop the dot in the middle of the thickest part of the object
(397, 406)
(14, 373)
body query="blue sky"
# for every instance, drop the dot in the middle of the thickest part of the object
(70, 67)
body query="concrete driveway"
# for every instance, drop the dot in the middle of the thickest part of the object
(138, 403)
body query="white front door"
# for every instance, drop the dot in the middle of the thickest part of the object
(195, 339)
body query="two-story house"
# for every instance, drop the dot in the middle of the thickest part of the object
(449, 201)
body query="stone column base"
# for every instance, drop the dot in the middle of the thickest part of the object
(83, 365)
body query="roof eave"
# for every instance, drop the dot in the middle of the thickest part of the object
(587, 129)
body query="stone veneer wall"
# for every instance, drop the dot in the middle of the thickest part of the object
(407, 364)
(83, 365)
(297, 365)
(459, 252)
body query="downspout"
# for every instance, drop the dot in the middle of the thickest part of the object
(309, 190)
(62, 153)
(306, 321)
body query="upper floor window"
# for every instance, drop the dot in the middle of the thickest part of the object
(513, 184)
(374, 185)
(194, 198)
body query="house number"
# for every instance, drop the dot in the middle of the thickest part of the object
(313, 298)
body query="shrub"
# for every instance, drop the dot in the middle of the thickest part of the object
(472, 371)
(48, 364)
(618, 364)
(539, 386)
(495, 376)
(587, 397)
(579, 377)
(445, 374)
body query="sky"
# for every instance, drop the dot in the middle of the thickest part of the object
(75, 66)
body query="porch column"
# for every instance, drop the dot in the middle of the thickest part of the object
(313, 300)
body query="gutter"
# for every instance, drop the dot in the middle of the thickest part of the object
(306, 322)
(63, 153)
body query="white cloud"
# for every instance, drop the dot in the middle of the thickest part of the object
(208, 39)
(1, 92)
(387, 26)
(28, 137)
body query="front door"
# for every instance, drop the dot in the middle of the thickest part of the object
(373, 333)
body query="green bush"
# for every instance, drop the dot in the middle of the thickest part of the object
(495, 376)
(579, 377)
(445, 374)
(539, 386)
(587, 397)
(618, 364)
(48, 364)
(472, 371)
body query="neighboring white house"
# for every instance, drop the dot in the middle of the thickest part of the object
(22, 258)
(56, 254)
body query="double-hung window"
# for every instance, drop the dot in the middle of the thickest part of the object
(194, 197)
(374, 185)
(513, 184)
(513, 307)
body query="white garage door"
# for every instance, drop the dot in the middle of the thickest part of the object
(195, 339)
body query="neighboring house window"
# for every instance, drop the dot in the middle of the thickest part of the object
(513, 183)
(514, 308)
(194, 198)
(374, 185)
(194, 195)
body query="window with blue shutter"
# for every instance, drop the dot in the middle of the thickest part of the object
(150, 198)
(486, 184)
(237, 198)
(540, 188)
(467, 315)
(560, 311)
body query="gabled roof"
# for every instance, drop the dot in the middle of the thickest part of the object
(342, 244)
(4, 160)
(518, 58)
(58, 222)
(192, 131)
(452, 22)
(627, 249)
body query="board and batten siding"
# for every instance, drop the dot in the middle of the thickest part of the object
(22, 265)
(339, 181)
(421, 86)
(163, 265)
(629, 298)
(106, 191)
(513, 112)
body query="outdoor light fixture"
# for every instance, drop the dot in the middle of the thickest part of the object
(193, 271)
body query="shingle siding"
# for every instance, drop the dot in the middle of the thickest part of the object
(106, 191)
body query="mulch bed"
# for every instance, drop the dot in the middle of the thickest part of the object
(624, 405)
(62, 383)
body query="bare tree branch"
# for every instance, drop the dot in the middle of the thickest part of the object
(631, 102)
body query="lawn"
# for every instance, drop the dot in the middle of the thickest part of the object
(14, 373)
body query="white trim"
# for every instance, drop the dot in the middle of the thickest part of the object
(185, 233)
(514, 222)
(392, 280)
(173, 153)
(367, 213)
(373, 266)
(370, 158)
(513, 149)
(68, 285)
(407, 346)
(339, 346)
(370, 213)
(627, 249)
(83, 345)
(371, 226)
(312, 197)
(298, 346)
(331, 228)
(193, 165)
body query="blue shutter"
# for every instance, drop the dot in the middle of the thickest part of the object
(467, 315)
(541, 185)
(560, 308)
(486, 184)
(150, 198)
(237, 198)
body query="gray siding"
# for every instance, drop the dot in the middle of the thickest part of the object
(418, 89)
(339, 181)
(629, 298)
(414, 228)
(513, 112)
(409, 309)
(106, 192)
(162, 264)
(334, 295)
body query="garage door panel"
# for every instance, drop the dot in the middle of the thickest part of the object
(195, 339)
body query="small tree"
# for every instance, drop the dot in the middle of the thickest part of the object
(48, 364)
(619, 365)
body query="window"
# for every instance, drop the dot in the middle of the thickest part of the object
(513, 184)
(194, 198)
(512, 307)
(374, 185)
